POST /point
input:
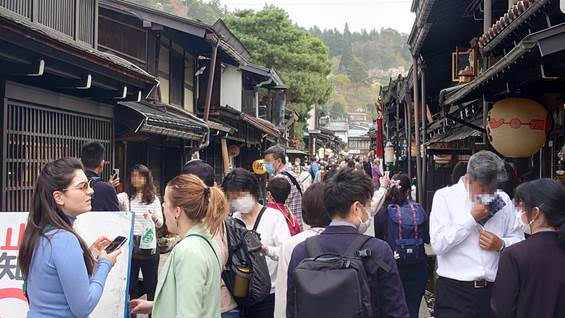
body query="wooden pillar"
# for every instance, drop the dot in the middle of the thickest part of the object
(211, 75)
(225, 155)
(417, 128)
(423, 199)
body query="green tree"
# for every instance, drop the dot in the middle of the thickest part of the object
(300, 58)
(208, 12)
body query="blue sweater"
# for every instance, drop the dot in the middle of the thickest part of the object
(58, 284)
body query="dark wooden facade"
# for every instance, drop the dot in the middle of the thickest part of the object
(519, 52)
(56, 91)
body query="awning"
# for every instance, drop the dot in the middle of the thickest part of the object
(221, 127)
(161, 119)
(265, 72)
(548, 41)
(457, 133)
(261, 124)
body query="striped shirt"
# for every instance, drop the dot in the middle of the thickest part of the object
(139, 209)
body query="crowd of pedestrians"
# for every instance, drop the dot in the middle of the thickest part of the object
(304, 253)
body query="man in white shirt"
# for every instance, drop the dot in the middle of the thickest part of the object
(468, 239)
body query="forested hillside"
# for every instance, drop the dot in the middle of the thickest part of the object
(361, 61)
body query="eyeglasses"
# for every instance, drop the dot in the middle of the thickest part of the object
(84, 186)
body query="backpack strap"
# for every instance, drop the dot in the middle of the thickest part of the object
(355, 250)
(313, 247)
(293, 180)
(416, 234)
(256, 225)
(355, 246)
(209, 244)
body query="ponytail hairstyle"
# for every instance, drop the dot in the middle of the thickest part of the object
(547, 195)
(400, 187)
(45, 213)
(199, 202)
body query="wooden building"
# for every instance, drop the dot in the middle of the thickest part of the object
(471, 60)
(57, 90)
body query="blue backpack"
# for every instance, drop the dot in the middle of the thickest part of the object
(405, 233)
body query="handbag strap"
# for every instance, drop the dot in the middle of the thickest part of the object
(209, 244)
(256, 225)
(399, 222)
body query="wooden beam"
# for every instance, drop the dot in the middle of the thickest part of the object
(33, 69)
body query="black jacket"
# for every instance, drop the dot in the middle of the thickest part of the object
(104, 197)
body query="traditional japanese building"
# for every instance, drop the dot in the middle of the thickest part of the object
(57, 90)
(486, 75)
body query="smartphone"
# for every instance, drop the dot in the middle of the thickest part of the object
(116, 244)
(115, 173)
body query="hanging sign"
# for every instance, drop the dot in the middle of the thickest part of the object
(562, 5)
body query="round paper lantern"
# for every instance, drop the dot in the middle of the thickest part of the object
(258, 167)
(518, 127)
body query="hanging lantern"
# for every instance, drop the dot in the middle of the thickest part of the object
(389, 153)
(258, 166)
(518, 127)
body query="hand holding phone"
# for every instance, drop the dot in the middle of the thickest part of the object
(112, 251)
(116, 244)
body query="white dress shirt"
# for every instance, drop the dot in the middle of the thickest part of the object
(455, 235)
(282, 271)
(274, 232)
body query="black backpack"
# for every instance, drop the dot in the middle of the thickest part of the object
(244, 248)
(331, 285)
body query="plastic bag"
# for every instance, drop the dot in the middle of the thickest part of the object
(148, 239)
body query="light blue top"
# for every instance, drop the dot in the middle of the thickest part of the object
(58, 284)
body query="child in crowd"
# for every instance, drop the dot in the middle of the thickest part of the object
(278, 191)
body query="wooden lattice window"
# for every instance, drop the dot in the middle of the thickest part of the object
(35, 135)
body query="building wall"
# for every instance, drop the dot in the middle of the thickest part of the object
(231, 87)
(42, 126)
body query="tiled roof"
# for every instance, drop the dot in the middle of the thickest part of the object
(514, 17)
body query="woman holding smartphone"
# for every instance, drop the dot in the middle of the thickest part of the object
(189, 284)
(62, 277)
(141, 200)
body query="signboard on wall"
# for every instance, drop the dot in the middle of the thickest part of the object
(90, 226)
(562, 5)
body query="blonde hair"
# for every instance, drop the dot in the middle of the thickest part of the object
(198, 201)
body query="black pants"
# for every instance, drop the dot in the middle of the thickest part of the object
(149, 268)
(264, 309)
(414, 278)
(461, 300)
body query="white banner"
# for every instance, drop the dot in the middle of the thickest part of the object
(562, 5)
(90, 226)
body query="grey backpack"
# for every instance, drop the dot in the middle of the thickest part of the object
(332, 285)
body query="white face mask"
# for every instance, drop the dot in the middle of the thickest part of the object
(526, 227)
(243, 204)
(364, 226)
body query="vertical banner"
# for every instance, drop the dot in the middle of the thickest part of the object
(90, 226)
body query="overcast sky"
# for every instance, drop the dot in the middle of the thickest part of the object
(359, 14)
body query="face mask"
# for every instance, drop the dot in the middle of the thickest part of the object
(364, 226)
(484, 199)
(526, 227)
(270, 168)
(244, 204)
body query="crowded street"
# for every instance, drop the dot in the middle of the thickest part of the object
(282, 159)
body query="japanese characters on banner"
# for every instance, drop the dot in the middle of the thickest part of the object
(90, 226)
